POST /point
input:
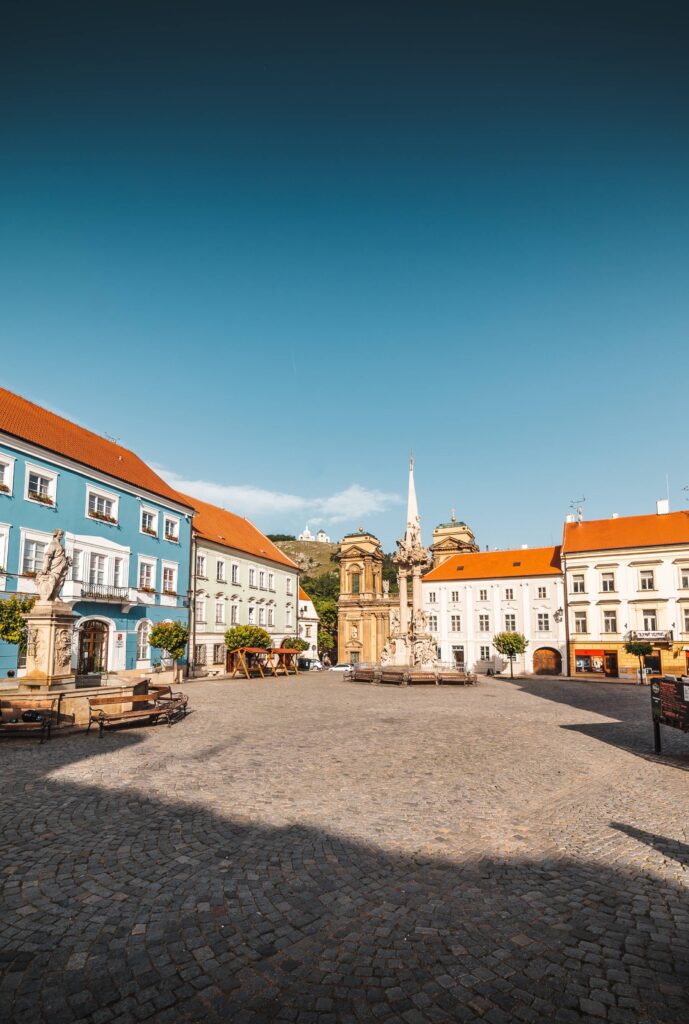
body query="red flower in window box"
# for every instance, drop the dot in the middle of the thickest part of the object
(4, 489)
(44, 499)
(146, 590)
(101, 517)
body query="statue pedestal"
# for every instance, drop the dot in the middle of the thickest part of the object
(49, 646)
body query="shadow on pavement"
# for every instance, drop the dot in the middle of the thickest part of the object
(120, 906)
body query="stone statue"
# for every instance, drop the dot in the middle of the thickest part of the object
(394, 620)
(54, 569)
(355, 632)
(63, 649)
(33, 643)
(386, 588)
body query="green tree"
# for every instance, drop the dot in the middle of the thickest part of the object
(639, 649)
(326, 610)
(509, 645)
(390, 573)
(295, 643)
(326, 586)
(326, 643)
(247, 636)
(172, 637)
(13, 614)
(280, 536)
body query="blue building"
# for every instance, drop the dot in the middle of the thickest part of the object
(127, 532)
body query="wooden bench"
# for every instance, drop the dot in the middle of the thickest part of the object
(422, 675)
(144, 708)
(166, 695)
(457, 676)
(365, 674)
(394, 674)
(14, 707)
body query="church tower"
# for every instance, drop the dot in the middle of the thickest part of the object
(451, 539)
(363, 613)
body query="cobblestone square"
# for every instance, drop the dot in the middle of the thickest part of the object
(316, 851)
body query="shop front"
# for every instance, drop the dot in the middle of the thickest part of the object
(611, 661)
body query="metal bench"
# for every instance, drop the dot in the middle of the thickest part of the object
(110, 710)
(176, 700)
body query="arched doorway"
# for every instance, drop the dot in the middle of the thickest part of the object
(93, 647)
(547, 662)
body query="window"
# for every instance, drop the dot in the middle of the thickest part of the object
(171, 529)
(146, 576)
(271, 616)
(485, 653)
(356, 583)
(261, 616)
(431, 596)
(650, 619)
(510, 622)
(542, 593)
(234, 614)
(483, 595)
(97, 570)
(101, 506)
(118, 572)
(484, 623)
(220, 570)
(543, 622)
(218, 654)
(455, 623)
(220, 613)
(290, 585)
(201, 567)
(262, 580)
(252, 614)
(200, 610)
(252, 577)
(307, 630)
(609, 622)
(169, 580)
(40, 487)
(686, 620)
(33, 557)
(454, 596)
(143, 631)
(288, 617)
(580, 622)
(6, 474)
(646, 578)
(149, 522)
(578, 584)
(77, 563)
(271, 581)
(235, 572)
(200, 654)
(684, 579)
(509, 594)
(607, 582)
(433, 623)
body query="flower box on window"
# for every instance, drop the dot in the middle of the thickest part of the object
(4, 489)
(170, 593)
(31, 573)
(101, 516)
(149, 531)
(44, 499)
(146, 590)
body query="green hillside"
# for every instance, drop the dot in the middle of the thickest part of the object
(313, 558)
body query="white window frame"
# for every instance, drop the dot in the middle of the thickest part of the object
(153, 564)
(151, 512)
(271, 616)
(219, 608)
(510, 622)
(201, 559)
(288, 614)
(8, 462)
(543, 622)
(607, 614)
(485, 652)
(252, 614)
(30, 535)
(146, 658)
(684, 577)
(542, 593)
(234, 575)
(261, 615)
(433, 623)
(686, 620)
(200, 610)
(455, 623)
(4, 550)
(509, 593)
(648, 614)
(578, 583)
(644, 578)
(454, 596)
(221, 571)
(262, 579)
(289, 587)
(99, 492)
(218, 648)
(271, 582)
(174, 566)
(577, 628)
(252, 577)
(50, 475)
(171, 519)
(605, 580)
(432, 597)
(484, 623)
(234, 614)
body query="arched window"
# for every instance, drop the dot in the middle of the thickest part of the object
(143, 631)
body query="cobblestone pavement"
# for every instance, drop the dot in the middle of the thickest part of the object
(316, 851)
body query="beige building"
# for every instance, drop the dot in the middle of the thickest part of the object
(450, 539)
(363, 606)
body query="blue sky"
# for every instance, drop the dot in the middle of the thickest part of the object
(275, 247)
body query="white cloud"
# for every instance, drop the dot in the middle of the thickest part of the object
(354, 502)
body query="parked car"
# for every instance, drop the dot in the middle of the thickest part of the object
(309, 665)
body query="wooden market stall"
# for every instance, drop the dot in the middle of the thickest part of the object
(282, 661)
(250, 662)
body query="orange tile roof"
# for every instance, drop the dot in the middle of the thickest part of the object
(627, 532)
(486, 565)
(232, 531)
(28, 422)
(303, 596)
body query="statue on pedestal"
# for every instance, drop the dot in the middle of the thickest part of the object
(54, 569)
(50, 623)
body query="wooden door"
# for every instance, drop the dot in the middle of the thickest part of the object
(93, 648)
(547, 662)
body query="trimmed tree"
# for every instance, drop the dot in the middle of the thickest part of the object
(640, 649)
(13, 612)
(295, 643)
(247, 636)
(171, 637)
(510, 645)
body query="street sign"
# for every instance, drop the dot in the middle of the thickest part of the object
(669, 705)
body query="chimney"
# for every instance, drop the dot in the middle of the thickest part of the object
(569, 518)
(662, 506)
(524, 547)
(615, 515)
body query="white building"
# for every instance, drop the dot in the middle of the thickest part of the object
(320, 538)
(239, 578)
(474, 595)
(308, 624)
(628, 579)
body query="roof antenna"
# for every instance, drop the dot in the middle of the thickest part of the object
(115, 440)
(577, 509)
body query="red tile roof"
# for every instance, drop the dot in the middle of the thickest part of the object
(487, 565)
(627, 532)
(303, 596)
(28, 422)
(232, 531)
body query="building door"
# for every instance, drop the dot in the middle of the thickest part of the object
(547, 662)
(610, 664)
(93, 648)
(458, 657)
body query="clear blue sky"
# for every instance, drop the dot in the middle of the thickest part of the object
(274, 247)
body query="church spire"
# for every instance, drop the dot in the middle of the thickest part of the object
(412, 506)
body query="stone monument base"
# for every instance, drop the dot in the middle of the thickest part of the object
(49, 647)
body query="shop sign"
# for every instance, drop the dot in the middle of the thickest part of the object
(653, 634)
(669, 705)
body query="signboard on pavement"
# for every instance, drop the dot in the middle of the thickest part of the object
(669, 705)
